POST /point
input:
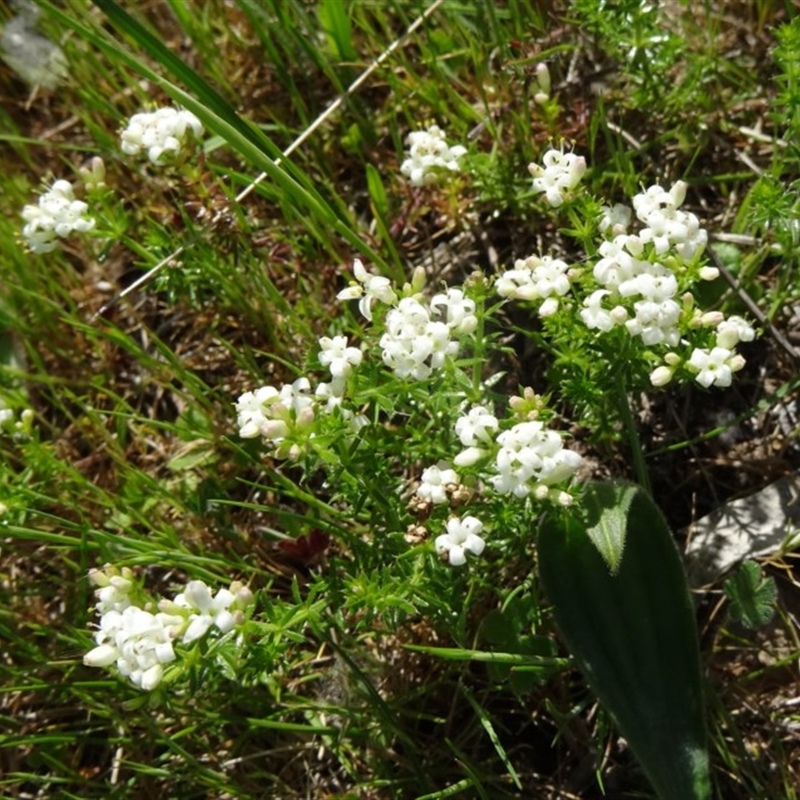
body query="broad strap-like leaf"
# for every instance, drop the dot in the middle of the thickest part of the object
(633, 634)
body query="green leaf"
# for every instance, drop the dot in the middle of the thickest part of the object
(607, 506)
(752, 596)
(334, 20)
(633, 633)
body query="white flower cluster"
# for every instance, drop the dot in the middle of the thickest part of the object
(413, 344)
(526, 459)
(532, 458)
(560, 174)
(435, 482)
(536, 278)
(57, 215)
(160, 133)
(417, 336)
(429, 156)
(641, 281)
(715, 366)
(278, 415)
(139, 642)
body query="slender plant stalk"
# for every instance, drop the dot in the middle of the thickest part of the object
(632, 434)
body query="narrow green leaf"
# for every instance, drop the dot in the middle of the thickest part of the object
(486, 722)
(336, 23)
(458, 654)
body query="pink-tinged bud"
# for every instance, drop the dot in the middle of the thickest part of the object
(711, 319)
(274, 429)
(634, 245)
(618, 314)
(564, 499)
(305, 419)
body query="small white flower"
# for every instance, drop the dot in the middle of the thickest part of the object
(733, 330)
(373, 287)
(429, 156)
(714, 367)
(160, 134)
(207, 609)
(57, 215)
(338, 357)
(616, 219)
(461, 538)
(477, 427)
(594, 315)
(434, 483)
(458, 309)
(561, 173)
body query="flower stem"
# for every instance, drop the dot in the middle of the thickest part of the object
(632, 433)
(480, 347)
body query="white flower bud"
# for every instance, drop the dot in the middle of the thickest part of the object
(103, 656)
(661, 376)
(708, 273)
(618, 314)
(711, 319)
(468, 457)
(543, 78)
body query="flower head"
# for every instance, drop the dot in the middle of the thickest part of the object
(372, 288)
(414, 345)
(560, 174)
(714, 367)
(434, 483)
(461, 538)
(160, 134)
(57, 215)
(338, 357)
(429, 156)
